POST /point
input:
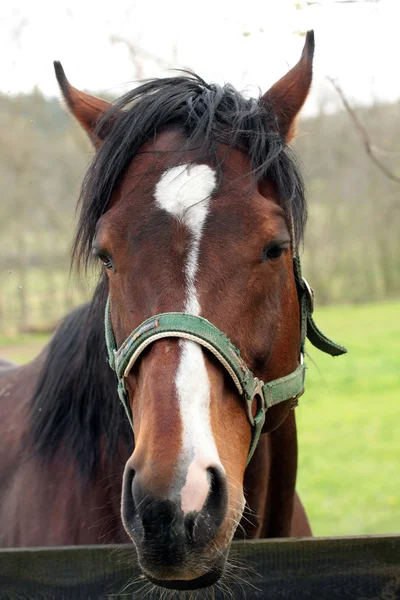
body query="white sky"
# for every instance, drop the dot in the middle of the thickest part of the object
(357, 43)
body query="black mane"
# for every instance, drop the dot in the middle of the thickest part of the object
(75, 405)
(208, 114)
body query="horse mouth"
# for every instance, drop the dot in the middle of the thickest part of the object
(205, 580)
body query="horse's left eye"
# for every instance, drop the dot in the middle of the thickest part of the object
(273, 252)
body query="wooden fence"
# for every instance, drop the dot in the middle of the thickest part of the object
(37, 301)
(354, 568)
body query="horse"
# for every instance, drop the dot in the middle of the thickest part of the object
(194, 209)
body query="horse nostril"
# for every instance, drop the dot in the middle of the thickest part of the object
(217, 479)
(128, 501)
(159, 518)
(202, 526)
(136, 491)
(217, 499)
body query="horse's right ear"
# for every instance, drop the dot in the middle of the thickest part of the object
(86, 109)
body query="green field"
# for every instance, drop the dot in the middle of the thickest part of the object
(348, 421)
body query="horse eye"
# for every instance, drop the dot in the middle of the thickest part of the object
(105, 259)
(273, 252)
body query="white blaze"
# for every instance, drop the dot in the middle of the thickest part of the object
(185, 193)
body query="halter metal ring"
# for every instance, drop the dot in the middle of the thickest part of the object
(259, 396)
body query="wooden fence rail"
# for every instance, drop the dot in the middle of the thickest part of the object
(356, 568)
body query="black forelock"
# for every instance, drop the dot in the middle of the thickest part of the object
(208, 114)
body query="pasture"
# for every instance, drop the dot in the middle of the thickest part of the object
(348, 420)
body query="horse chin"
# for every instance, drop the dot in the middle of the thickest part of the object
(206, 580)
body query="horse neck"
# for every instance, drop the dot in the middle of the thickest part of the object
(75, 409)
(270, 481)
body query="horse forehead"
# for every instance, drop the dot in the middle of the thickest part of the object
(171, 148)
(168, 173)
(184, 187)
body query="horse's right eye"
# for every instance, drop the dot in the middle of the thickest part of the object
(105, 258)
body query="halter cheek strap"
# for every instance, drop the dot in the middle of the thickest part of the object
(308, 327)
(199, 330)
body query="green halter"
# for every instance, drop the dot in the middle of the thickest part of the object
(201, 331)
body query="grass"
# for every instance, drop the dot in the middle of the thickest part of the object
(22, 348)
(348, 421)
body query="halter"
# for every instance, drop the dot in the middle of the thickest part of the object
(199, 330)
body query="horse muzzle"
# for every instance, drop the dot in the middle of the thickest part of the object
(176, 550)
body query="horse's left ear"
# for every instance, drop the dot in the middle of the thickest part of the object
(86, 109)
(288, 95)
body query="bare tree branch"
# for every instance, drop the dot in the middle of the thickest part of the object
(137, 54)
(370, 149)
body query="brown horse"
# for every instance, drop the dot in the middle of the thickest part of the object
(194, 204)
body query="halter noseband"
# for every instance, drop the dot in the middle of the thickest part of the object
(201, 331)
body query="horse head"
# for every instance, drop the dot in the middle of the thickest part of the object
(194, 205)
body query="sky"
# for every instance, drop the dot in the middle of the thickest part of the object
(250, 44)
